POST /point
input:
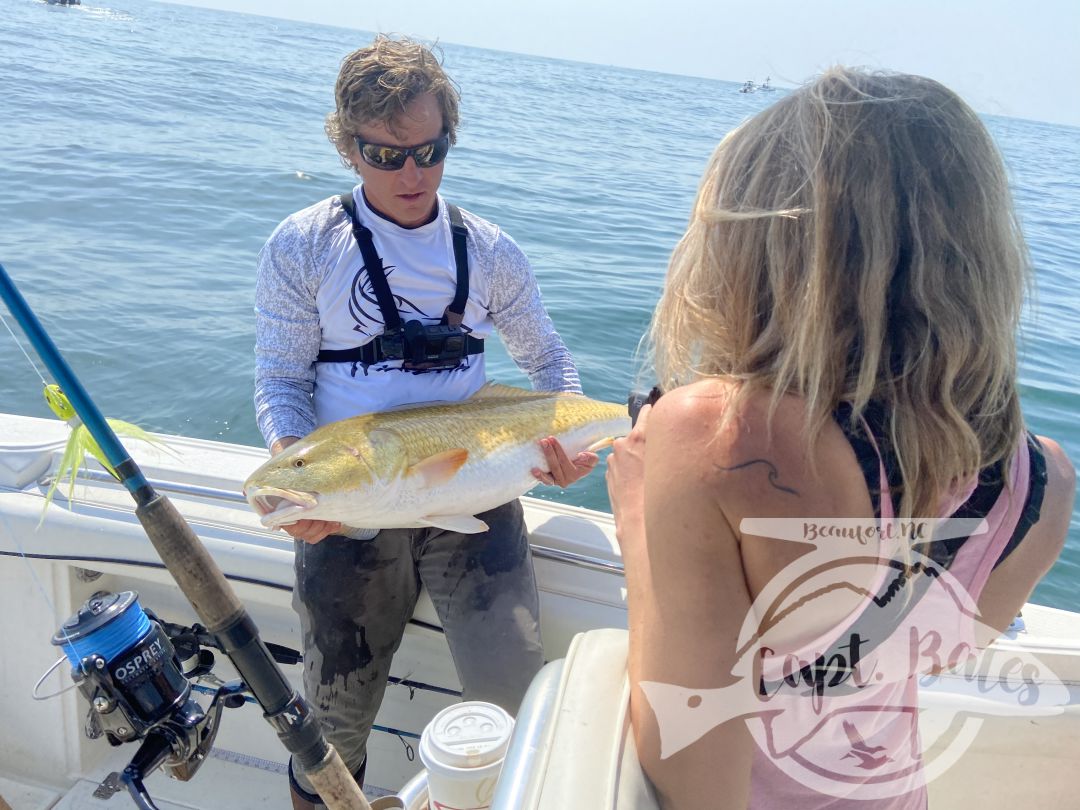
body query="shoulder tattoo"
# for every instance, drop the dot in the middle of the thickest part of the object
(774, 474)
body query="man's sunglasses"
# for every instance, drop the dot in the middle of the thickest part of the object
(392, 158)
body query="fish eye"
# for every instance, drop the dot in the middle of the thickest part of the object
(298, 463)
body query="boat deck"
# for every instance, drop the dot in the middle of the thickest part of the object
(218, 784)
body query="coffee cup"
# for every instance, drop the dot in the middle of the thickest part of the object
(463, 748)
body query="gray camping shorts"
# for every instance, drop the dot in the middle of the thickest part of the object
(355, 597)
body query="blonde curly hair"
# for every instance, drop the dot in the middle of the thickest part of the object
(378, 82)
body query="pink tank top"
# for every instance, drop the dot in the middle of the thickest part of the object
(863, 752)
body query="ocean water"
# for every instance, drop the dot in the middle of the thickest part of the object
(148, 150)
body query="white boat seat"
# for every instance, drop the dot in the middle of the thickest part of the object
(572, 743)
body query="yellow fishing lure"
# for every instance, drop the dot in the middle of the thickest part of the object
(80, 442)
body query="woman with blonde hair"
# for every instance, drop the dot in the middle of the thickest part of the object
(837, 340)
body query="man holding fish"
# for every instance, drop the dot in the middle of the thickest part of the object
(366, 303)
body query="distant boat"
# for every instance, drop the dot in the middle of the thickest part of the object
(64, 2)
(764, 87)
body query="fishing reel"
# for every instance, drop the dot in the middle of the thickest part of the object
(136, 672)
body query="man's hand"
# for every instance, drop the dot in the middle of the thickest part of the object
(562, 471)
(310, 531)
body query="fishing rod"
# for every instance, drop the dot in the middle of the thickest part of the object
(171, 723)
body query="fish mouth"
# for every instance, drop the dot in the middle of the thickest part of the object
(278, 507)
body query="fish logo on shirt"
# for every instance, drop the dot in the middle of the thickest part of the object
(362, 298)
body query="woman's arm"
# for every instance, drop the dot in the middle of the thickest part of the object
(686, 595)
(1011, 583)
(680, 486)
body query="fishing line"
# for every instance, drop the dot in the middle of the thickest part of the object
(48, 601)
(18, 544)
(18, 343)
(34, 694)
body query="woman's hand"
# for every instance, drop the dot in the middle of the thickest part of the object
(562, 471)
(626, 483)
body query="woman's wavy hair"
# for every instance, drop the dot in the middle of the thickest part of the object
(378, 82)
(857, 242)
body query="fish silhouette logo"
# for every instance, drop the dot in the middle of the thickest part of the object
(839, 711)
(364, 303)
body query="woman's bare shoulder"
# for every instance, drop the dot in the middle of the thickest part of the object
(759, 461)
(709, 417)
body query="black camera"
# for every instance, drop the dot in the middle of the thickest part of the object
(638, 400)
(422, 347)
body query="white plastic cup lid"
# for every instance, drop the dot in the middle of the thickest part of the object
(466, 735)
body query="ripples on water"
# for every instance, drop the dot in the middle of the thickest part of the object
(149, 150)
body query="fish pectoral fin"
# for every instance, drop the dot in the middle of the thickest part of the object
(466, 524)
(439, 468)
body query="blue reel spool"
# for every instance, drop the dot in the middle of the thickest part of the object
(106, 625)
(134, 680)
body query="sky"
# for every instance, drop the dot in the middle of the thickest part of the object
(1005, 57)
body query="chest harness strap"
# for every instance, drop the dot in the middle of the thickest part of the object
(394, 331)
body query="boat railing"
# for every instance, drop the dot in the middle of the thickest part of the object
(174, 487)
(546, 552)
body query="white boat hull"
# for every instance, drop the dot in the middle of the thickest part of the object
(96, 543)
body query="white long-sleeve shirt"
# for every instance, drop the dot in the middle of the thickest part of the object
(312, 292)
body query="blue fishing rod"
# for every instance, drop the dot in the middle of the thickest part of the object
(124, 662)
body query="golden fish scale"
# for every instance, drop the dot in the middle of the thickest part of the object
(484, 425)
